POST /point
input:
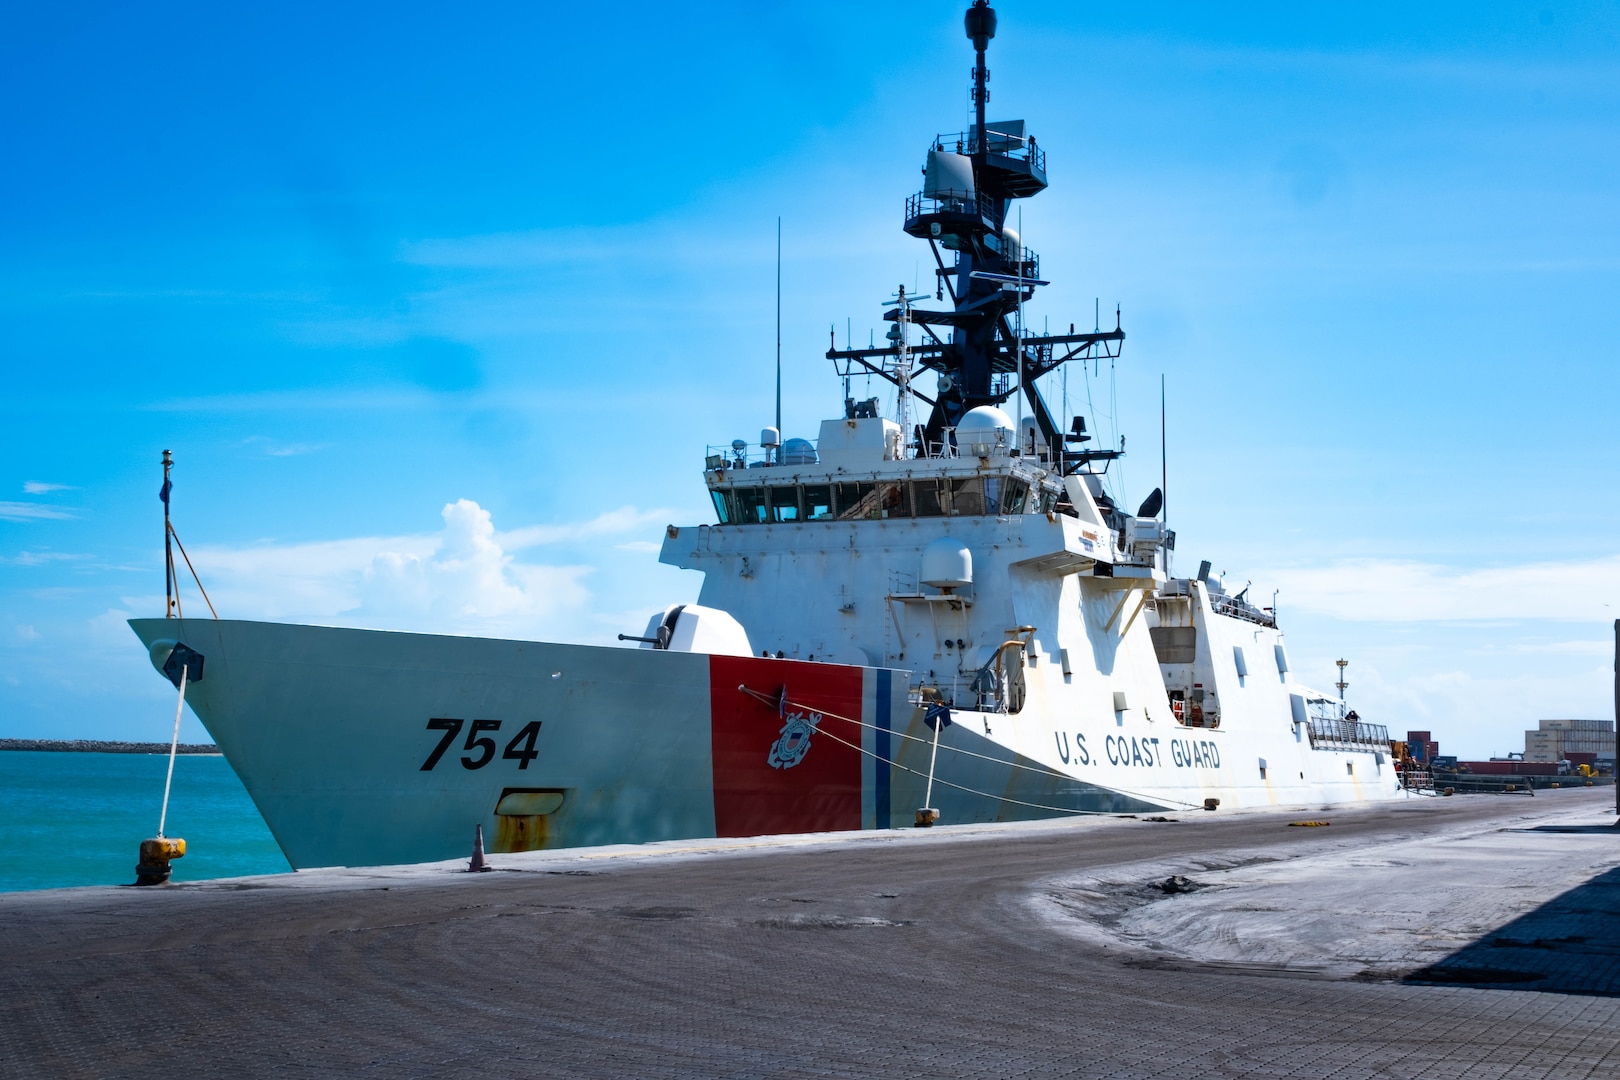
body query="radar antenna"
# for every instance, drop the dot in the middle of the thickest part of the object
(979, 348)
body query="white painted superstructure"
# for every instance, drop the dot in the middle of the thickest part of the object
(1073, 645)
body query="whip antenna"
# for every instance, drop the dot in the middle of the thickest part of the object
(778, 326)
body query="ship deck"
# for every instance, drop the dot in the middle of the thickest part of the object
(1463, 936)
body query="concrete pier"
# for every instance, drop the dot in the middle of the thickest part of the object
(1447, 937)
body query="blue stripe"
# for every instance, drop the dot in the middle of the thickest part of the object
(881, 765)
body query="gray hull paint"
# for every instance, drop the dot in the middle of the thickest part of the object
(327, 730)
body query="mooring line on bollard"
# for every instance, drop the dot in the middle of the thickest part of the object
(174, 746)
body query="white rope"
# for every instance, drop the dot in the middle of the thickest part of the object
(174, 746)
(933, 755)
(764, 699)
(1042, 769)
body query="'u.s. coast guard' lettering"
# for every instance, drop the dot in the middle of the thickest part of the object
(1140, 752)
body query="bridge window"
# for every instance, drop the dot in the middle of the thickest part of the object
(894, 500)
(931, 498)
(785, 503)
(857, 501)
(852, 501)
(968, 496)
(749, 504)
(818, 501)
(1014, 495)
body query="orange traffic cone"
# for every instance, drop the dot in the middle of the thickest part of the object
(478, 865)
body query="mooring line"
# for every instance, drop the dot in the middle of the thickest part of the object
(772, 701)
(1040, 769)
(174, 746)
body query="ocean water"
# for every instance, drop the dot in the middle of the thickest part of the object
(79, 819)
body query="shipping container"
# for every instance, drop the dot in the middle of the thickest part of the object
(1577, 725)
(1509, 768)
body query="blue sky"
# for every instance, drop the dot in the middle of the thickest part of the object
(438, 310)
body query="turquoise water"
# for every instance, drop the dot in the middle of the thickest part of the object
(79, 819)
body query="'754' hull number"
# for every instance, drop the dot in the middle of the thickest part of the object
(479, 746)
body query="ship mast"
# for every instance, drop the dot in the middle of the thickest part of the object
(978, 347)
(980, 22)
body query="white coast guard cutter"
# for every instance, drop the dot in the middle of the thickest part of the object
(950, 615)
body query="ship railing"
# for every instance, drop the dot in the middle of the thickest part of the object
(984, 442)
(951, 202)
(944, 448)
(758, 456)
(1417, 780)
(1242, 609)
(1346, 735)
(1022, 261)
(968, 690)
(1002, 144)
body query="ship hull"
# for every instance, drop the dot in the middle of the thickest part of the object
(371, 748)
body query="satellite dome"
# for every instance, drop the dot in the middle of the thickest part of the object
(799, 452)
(946, 564)
(985, 418)
(985, 430)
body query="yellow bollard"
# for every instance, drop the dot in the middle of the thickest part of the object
(156, 854)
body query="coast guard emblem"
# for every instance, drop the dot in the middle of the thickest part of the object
(794, 743)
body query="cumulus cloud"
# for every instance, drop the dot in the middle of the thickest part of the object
(467, 579)
(460, 579)
(626, 519)
(1378, 590)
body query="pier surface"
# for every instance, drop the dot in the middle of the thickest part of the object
(1439, 938)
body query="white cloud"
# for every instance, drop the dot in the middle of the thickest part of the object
(1377, 590)
(110, 629)
(20, 511)
(39, 487)
(467, 579)
(272, 448)
(461, 579)
(623, 520)
(41, 558)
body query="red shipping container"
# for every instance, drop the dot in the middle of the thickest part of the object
(1535, 768)
(1576, 758)
(1418, 736)
(1487, 768)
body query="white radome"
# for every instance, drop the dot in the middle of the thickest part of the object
(946, 564)
(985, 418)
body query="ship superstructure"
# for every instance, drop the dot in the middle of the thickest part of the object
(936, 616)
(985, 556)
